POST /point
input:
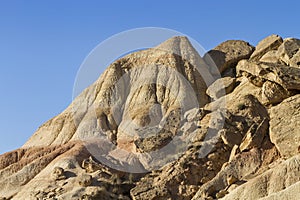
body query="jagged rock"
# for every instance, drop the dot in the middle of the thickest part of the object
(227, 54)
(258, 73)
(58, 173)
(234, 151)
(288, 52)
(195, 114)
(285, 126)
(271, 42)
(273, 93)
(221, 194)
(221, 87)
(231, 179)
(273, 181)
(270, 57)
(254, 135)
(230, 137)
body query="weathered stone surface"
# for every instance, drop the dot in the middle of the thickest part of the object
(217, 149)
(221, 87)
(258, 73)
(273, 93)
(271, 42)
(84, 180)
(270, 57)
(58, 173)
(255, 135)
(288, 52)
(156, 77)
(273, 181)
(285, 126)
(227, 54)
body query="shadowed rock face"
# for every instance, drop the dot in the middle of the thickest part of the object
(150, 112)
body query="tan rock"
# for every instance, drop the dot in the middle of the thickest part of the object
(273, 93)
(271, 183)
(234, 151)
(255, 135)
(84, 180)
(162, 80)
(58, 173)
(270, 57)
(288, 52)
(221, 87)
(287, 77)
(227, 54)
(285, 126)
(220, 150)
(269, 43)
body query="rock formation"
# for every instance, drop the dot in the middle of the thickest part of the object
(165, 123)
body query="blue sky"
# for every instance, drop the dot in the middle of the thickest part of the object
(43, 43)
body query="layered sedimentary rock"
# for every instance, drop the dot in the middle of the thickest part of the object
(164, 123)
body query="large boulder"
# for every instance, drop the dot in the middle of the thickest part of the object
(288, 52)
(227, 54)
(285, 126)
(272, 184)
(221, 87)
(271, 42)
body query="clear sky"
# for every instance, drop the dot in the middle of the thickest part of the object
(43, 43)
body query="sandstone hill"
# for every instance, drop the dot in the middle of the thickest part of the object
(165, 123)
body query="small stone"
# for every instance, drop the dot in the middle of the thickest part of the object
(58, 173)
(221, 194)
(231, 179)
(234, 151)
(85, 180)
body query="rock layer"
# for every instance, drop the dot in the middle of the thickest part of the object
(162, 113)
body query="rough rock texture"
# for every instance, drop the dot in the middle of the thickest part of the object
(158, 125)
(285, 126)
(221, 87)
(227, 54)
(258, 73)
(288, 52)
(271, 42)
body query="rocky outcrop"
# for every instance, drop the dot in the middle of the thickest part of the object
(163, 124)
(285, 126)
(227, 54)
(271, 42)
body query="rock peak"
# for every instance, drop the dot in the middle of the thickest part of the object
(177, 45)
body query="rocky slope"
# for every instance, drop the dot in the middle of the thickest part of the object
(165, 123)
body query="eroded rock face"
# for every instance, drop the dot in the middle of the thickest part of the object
(236, 137)
(158, 81)
(258, 73)
(288, 52)
(285, 126)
